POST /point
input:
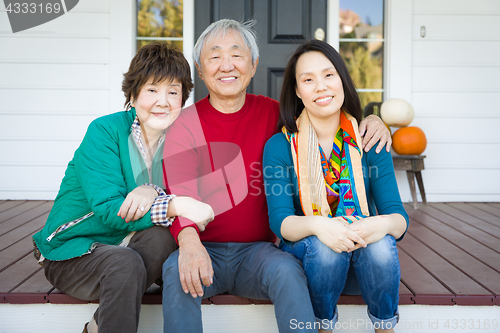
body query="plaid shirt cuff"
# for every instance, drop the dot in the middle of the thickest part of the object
(157, 188)
(159, 208)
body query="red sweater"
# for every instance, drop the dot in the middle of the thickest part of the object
(217, 158)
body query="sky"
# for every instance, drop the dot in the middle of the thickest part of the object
(372, 9)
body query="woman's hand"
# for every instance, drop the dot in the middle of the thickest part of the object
(371, 229)
(374, 228)
(197, 211)
(334, 233)
(373, 129)
(137, 203)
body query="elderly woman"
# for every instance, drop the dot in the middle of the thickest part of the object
(340, 212)
(106, 236)
(236, 252)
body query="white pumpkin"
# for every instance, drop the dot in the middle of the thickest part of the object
(396, 112)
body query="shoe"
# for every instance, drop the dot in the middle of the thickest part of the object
(85, 328)
(154, 289)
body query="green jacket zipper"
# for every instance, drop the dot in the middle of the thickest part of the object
(68, 225)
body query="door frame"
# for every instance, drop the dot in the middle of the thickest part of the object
(332, 23)
(188, 40)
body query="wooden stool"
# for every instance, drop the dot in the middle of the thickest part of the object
(413, 164)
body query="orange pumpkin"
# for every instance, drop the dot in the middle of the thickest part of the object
(409, 141)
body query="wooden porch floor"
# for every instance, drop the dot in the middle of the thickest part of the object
(450, 255)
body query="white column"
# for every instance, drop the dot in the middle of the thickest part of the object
(188, 42)
(332, 23)
(398, 53)
(122, 47)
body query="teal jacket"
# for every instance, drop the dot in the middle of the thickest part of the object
(281, 184)
(105, 168)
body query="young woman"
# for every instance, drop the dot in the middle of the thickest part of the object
(333, 207)
(106, 236)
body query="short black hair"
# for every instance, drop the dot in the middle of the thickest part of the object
(160, 61)
(291, 105)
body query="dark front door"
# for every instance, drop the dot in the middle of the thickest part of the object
(281, 26)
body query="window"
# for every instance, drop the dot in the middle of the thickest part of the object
(160, 20)
(361, 45)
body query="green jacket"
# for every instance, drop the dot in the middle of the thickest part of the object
(105, 168)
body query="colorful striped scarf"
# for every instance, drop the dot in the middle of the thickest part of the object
(341, 175)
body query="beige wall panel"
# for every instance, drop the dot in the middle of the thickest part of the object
(23, 179)
(456, 104)
(456, 79)
(457, 27)
(54, 50)
(44, 127)
(456, 53)
(465, 7)
(66, 101)
(459, 130)
(36, 153)
(458, 156)
(54, 76)
(461, 182)
(92, 6)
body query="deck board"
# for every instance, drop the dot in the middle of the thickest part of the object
(461, 240)
(483, 274)
(15, 252)
(24, 217)
(477, 212)
(35, 284)
(485, 207)
(425, 288)
(450, 255)
(8, 204)
(17, 273)
(23, 230)
(470, 219)
(24, 208)
(465, 228)
(442, 270)
(405, 294)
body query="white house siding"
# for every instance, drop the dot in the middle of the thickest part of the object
(54, 80)
(456, 94)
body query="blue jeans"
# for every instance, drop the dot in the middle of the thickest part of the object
(254, 270)
(372, 272)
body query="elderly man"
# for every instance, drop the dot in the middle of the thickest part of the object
(236, 253)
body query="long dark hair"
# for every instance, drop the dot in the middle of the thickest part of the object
(291, 105)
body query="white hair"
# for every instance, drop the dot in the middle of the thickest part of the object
(220, 28)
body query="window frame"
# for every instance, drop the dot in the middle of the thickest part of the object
(187, 38)
(333, 10)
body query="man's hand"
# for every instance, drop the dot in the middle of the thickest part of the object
(195, 265)
(194, 210)
(373, 129)
(137, 203)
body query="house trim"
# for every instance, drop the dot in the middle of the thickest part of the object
(188, 40)
(122, 47)
(398, 49)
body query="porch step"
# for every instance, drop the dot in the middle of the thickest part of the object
(63, 318)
